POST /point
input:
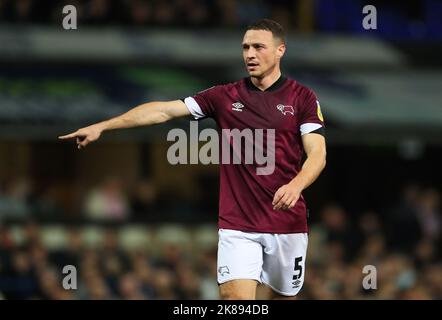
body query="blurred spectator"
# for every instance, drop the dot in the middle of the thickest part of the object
(198, 16)
(140, 13)
(188, 283)
(19, 11)
(98, 290)
(429, 214)
(425, 253)
(110, 243)
(112, 267)
(369, 224)
(71, 254)
(98, 12)
(144, 273)
(403, 229)
(144, 200)
(171, 257)
(372, 244)
(227, 13)
(166, 14)
(340, 234)
(6, 240)
(282, 11)
(31, 233)
(25, 284)
(432, 280)
(51, 285)
(373, 250)
(130, 288)
(47, 204)
(164, 282)
(14, 199)
(208, 271)
(108, 202)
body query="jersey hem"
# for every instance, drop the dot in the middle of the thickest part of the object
(263, 230)
(257, 279)
(281, 292)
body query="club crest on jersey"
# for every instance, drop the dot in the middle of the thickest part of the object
(285, 110)
(223, 270)
(237, 106)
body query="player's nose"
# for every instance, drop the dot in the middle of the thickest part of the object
(251, 54)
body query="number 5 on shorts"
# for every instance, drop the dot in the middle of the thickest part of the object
(298, 267)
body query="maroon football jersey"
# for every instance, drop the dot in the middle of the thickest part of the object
(288, 109)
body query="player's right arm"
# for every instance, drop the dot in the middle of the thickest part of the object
(142, 115)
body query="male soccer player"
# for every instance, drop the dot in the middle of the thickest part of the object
(262, 217)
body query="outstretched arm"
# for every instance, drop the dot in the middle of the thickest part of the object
(142, 115)
(314, 146)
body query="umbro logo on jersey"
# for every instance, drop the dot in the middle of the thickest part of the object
(237, 106)
(285, 110)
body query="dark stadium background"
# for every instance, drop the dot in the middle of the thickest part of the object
(136, 227)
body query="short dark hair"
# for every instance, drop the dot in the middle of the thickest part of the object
(270, 25)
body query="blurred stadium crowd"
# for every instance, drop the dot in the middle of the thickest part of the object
(105, 271)
(179, 262)
(303, 15)
(108, 201)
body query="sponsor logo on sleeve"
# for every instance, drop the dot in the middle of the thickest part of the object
(318, 111)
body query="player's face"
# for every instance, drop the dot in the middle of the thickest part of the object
(261, 52)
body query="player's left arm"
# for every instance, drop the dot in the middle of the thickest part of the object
(315, 148)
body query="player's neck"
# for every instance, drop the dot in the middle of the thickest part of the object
(266, 81)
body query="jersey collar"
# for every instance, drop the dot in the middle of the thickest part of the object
(276, 85)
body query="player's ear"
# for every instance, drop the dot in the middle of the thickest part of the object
(280, 50)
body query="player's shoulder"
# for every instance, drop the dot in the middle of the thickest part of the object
(300, 88)
(232, 84)
(220, 87)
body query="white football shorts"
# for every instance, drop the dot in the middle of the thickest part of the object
(277, 260)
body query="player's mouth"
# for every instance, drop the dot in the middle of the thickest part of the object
(252, 65)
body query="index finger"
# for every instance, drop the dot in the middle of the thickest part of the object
(278, 196)
(68, 136)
